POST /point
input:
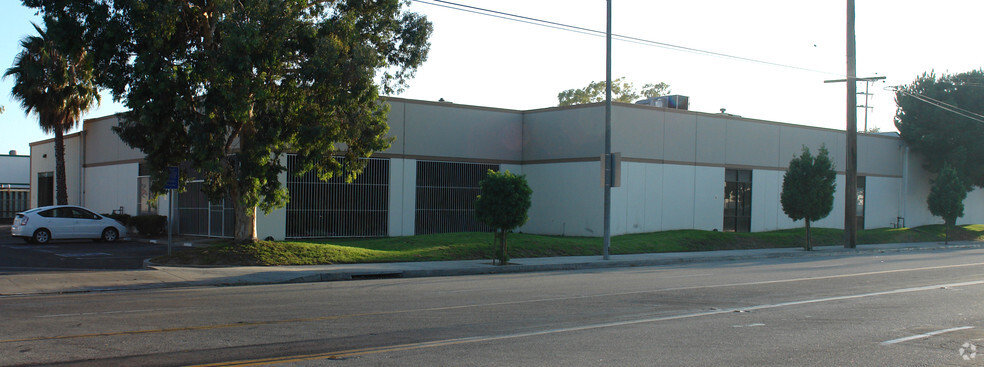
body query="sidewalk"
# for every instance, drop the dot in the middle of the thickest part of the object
(27, 283)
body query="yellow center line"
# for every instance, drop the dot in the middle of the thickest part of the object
(191, 328)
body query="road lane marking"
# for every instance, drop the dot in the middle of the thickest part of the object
(188, 328)
(926, 335)
(476, 339)
(494, 304)
(111, 312)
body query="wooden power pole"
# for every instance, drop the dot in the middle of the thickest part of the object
(851, 184)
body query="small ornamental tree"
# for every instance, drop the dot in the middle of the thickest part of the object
(946, 197)
(808, 189)
(503, 205)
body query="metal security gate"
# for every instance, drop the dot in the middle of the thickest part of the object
(320, 209)
(198, 217)
(446, 194)
(12, 201)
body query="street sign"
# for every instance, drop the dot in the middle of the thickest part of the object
(170, 186)
(172, 178)
(611, 170)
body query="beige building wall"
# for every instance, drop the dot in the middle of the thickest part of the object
(101, 171)
(674, 140)
(446, 131)
(43, 160)
(563, 134)
(672, 174)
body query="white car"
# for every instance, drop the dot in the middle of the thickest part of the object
(59, 222)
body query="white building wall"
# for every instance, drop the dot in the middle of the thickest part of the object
(43, 160)
(672, 174)
(651, 200)
(679, 188)
(402, 197)
(567, 199)
(836, 217)
(766, 207)
(881, 206)
(515, 169)
(709, 198)
(639, 196)
(973, 208)
(15, 170)
(918, 185)
(109, 188)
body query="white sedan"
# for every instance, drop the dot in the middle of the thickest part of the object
(58, 222)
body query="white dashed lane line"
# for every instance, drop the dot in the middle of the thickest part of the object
(925, 335)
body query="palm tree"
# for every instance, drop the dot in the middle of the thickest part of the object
(59, 86)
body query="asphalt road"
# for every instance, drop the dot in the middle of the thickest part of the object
(15, 254)
(917, 308)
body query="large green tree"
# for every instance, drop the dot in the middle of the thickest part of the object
(935, 117)
(56, 82)
(224, 88)
(946, 198)
(503, 204)
(622, 91)
(808, 189)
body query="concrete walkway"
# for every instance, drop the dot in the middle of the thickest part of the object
(14, 283)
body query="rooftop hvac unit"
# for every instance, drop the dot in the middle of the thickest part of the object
(672, 101)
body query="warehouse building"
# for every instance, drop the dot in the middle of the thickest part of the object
(15, 173)
(680, 169)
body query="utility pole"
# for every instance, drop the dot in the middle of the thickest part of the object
(866, 107)
(851, 184)
(607, 161)
(851, 179)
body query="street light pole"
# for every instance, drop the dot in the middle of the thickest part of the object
(608, 135)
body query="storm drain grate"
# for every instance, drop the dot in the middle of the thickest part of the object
(376, 276)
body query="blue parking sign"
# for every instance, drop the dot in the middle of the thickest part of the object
(172, 178)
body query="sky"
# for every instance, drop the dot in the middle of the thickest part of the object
(491, 62)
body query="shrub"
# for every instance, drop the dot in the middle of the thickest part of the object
(122, 218)
(150, 225)
(503, 205)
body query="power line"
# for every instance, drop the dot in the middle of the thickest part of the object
(942, 105)
(592, 32)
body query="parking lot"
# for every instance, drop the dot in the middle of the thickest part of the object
(16, 254)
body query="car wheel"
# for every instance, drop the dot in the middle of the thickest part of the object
(41, 236)
(110, 235)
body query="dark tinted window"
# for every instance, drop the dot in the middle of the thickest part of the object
(737, 200)
(83, 214)
(47, 213)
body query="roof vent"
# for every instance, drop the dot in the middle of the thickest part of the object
(674, 101)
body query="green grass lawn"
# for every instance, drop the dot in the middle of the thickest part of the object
(470, 246)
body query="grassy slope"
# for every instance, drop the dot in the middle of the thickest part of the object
(465, 246)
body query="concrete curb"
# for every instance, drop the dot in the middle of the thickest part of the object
(164, 276)
(488, 268)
